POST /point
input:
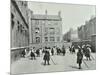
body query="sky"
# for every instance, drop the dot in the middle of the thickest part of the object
(73, 15)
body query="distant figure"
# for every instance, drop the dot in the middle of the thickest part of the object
(32, 54)
(58, 51)
(38, 52)
(73, 49)
(43, 51)
(79, 58)
(84, 48)
(52, 51)
(23, 53)
(69, 49)
(46, 58)
(55, 51)
(63, 50)
(87, 53)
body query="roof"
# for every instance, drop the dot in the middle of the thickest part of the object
(46, 17)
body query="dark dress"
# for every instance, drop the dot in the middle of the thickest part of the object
(79, 57)
(23, 53)
(32, 55)
(87, 53)
(46, 57)
(52, 51)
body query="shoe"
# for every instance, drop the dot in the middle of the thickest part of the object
(44, 64)
(79, 68)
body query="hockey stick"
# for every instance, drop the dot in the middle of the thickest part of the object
(85, 64)
(53, 61)
(92, 57)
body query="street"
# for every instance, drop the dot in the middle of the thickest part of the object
(57, 63)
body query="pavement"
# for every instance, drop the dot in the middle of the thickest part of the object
(57, 63)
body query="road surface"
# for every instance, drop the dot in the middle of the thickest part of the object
(59, 63)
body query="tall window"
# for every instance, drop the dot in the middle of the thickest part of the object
(52, 31)
(25, 4)
(12, 20)
(37, 22)
(56, 23)
(58, 39)
(46, 39)
(37, 30)
(57, 30)
(37, 39)
(46, 31)
(52, 39)
(22, 3)
(43, 22)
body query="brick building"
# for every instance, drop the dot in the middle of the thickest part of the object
(46, 30)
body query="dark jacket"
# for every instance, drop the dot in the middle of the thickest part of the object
(46, 56)
(52, 51)
(79, 57)
(23, 52)
(87, 53)
(32, 54)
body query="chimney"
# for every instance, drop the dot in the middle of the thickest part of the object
(59, 13)
(46, 12)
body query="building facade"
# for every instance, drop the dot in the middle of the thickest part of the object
(46, 30)
(19, 24)
(91, 28)
(67, 36)
(82, 32)
(74, 36)
(71, 36)
(85, 32)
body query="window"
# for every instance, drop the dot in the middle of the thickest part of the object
(21, 26)
(12, 24)
(22, 3)
(37, 30)
(12, 15)
(43, 22)
(25, 4)
(49, 22)
(52, 31)
(37, 22)
(46, 39)
(46, 31)
(37, 39)
(18, 22)
(57, 30)
(18, 27)
(12, 20)
(14, 10)
(58, 39)
(56, 23)
(52, 39)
